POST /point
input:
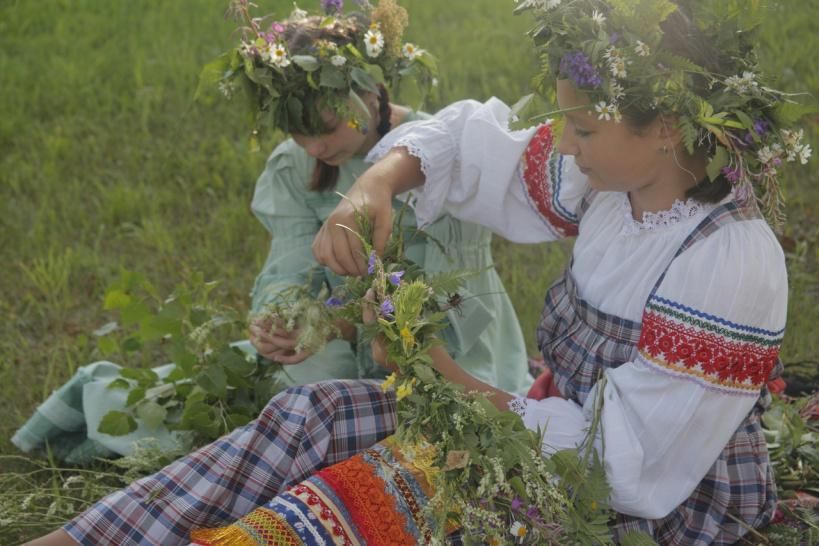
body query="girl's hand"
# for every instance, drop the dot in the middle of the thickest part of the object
(379, 349)
(275, 343)
(338, 248)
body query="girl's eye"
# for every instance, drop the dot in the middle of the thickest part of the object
(581, 133)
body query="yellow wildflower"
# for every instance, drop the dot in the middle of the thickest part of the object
(407, 338)
(404, 389)
(388, 382)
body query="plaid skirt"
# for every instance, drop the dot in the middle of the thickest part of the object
(300, 431)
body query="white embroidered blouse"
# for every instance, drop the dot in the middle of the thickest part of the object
(711, 333)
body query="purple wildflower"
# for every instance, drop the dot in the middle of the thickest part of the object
(579, 70)
(516, 503)
(532, 512)
(732, 174)
(333, 301)
(614, 37)
(276, 27)
(387, 308)
(371, 263)
(332, 6)
(761, 127)
(395, 277)
(748, 139)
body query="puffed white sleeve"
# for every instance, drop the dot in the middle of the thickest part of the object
(478, 170)
(710, 337)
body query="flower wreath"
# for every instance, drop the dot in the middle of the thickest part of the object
(290, 82)
(612, 50)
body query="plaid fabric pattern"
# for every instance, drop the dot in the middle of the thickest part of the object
(300, 431)
(578, 341)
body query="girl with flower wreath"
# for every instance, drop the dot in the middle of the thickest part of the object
(293, 196)
(308, 425)
(676, 292)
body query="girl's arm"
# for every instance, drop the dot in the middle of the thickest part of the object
(467, 162)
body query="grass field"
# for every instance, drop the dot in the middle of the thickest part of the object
(105, 163)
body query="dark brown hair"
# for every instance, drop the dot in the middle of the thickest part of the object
(301, 36)
(325, 177)
(682, 37)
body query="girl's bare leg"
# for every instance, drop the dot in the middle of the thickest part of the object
(56, 538)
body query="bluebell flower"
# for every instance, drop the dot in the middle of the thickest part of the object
(577, 67)
(395, 277)
(332, 6)
(371, 263)
(761, 127)
(333, 301)
(387, 308)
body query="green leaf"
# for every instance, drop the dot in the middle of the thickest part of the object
(116, 299)
(119, 384)
(151, 414)
(136, 395)
(211, 73)
(717, 162)
(117, 423)
(134, 313)
(131, 345)
(364, 80)
(213, 380)
(107, 345)
(308, 63)
(332, 77)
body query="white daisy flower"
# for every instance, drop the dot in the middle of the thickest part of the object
(374, 42)
(792, 138)
(616, 90)
(338, 60)
(612, 54)
(518, 530)
(277, 54)
(298, 14)
(642, 49)
(618, 68)
(598, 18)
(411, 51)
(434, 82)
(604, 110)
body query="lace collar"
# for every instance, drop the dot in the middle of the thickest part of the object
(653, 221)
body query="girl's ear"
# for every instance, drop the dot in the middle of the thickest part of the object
(668, 130)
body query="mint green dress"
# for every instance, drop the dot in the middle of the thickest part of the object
(484, 336)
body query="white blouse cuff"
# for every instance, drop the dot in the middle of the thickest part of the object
(433, 145)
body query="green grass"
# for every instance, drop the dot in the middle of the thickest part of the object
(105, 163)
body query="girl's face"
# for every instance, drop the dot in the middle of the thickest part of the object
(340, 143)
(613, 155)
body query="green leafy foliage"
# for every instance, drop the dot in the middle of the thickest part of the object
(212, 388)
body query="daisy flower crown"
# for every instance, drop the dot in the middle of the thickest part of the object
(614, 50)
(293, 69)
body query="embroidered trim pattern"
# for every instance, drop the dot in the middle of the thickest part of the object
(541, 174)
(319, 507)
(715, 353)
(372, 509)
(406, 493)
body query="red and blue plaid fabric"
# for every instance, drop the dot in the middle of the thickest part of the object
(300, 431)
(578, 341)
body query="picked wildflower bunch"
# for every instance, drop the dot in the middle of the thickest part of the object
(613, 50)
(294, 69)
